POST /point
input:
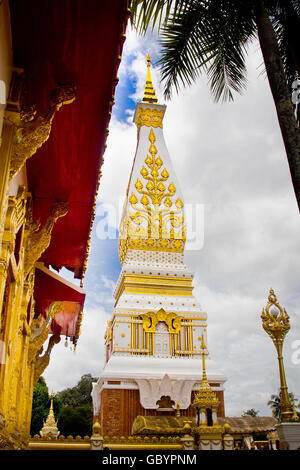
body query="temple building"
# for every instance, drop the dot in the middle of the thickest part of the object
(157, 337)
(58, 73)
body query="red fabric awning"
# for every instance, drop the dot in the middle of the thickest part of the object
(74, 42)
(50, 287)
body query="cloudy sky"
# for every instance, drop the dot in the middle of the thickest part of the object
(231, 163)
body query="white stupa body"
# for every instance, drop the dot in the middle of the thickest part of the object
(153, 341)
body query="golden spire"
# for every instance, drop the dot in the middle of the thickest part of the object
(205, 397)
(50, 425)
(149, 93)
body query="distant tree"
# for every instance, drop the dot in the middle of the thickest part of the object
(79, 395)
(41, 406)
(252, 412)
(75, 421)
(76, 415)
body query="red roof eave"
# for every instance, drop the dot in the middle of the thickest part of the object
(77, 43)
(50, 288)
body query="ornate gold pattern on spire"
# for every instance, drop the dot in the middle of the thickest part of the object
(149, 93)
(149, 117)
(151, 223)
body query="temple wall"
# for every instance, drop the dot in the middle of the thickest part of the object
(119, 408)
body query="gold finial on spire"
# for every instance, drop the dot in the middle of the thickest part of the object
(149, 93)
(204, 378)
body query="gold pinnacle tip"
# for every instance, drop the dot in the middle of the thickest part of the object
(149, 93)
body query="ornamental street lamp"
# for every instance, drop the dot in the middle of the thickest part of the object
(275, 322)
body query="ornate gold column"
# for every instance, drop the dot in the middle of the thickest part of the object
(275, 322)
(11, 293)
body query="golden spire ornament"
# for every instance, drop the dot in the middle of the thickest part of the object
(205, 398)
(275, 322)
(50, 428)
(149, 93)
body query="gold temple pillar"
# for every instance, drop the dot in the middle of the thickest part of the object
(22, 242)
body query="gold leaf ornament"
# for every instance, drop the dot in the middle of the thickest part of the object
(139, 185)
(133, 199)
(144, 200)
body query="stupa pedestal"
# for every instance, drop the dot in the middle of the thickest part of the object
(289, 436)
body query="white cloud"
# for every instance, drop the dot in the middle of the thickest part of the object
(229, 157)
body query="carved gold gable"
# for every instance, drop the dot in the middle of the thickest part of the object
(151, 319)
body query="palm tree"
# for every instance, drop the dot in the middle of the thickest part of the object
(213, 35)
(274, 403)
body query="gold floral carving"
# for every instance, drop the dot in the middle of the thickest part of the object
(16, 210)
(155, 219)
(149, 117)
(78, 328)
(43, 361)
(40, 330)
(108, 332)
(39, 240)
(275, 320)
(150, 320)
(32, 131)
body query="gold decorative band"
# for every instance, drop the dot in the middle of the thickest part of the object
(150, 244)
(149, 117)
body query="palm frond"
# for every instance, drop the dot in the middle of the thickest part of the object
(199, 39)
(286, 23)
(183, 49)
(296, 6)
(154, 12)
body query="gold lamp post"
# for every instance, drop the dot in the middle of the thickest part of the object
(275, 322)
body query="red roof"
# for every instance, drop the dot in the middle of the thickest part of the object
(49, 287)
(75, 42)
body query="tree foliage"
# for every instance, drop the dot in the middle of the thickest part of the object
(76, 415)
(79, 395)
(75, 421)
(252, 412)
